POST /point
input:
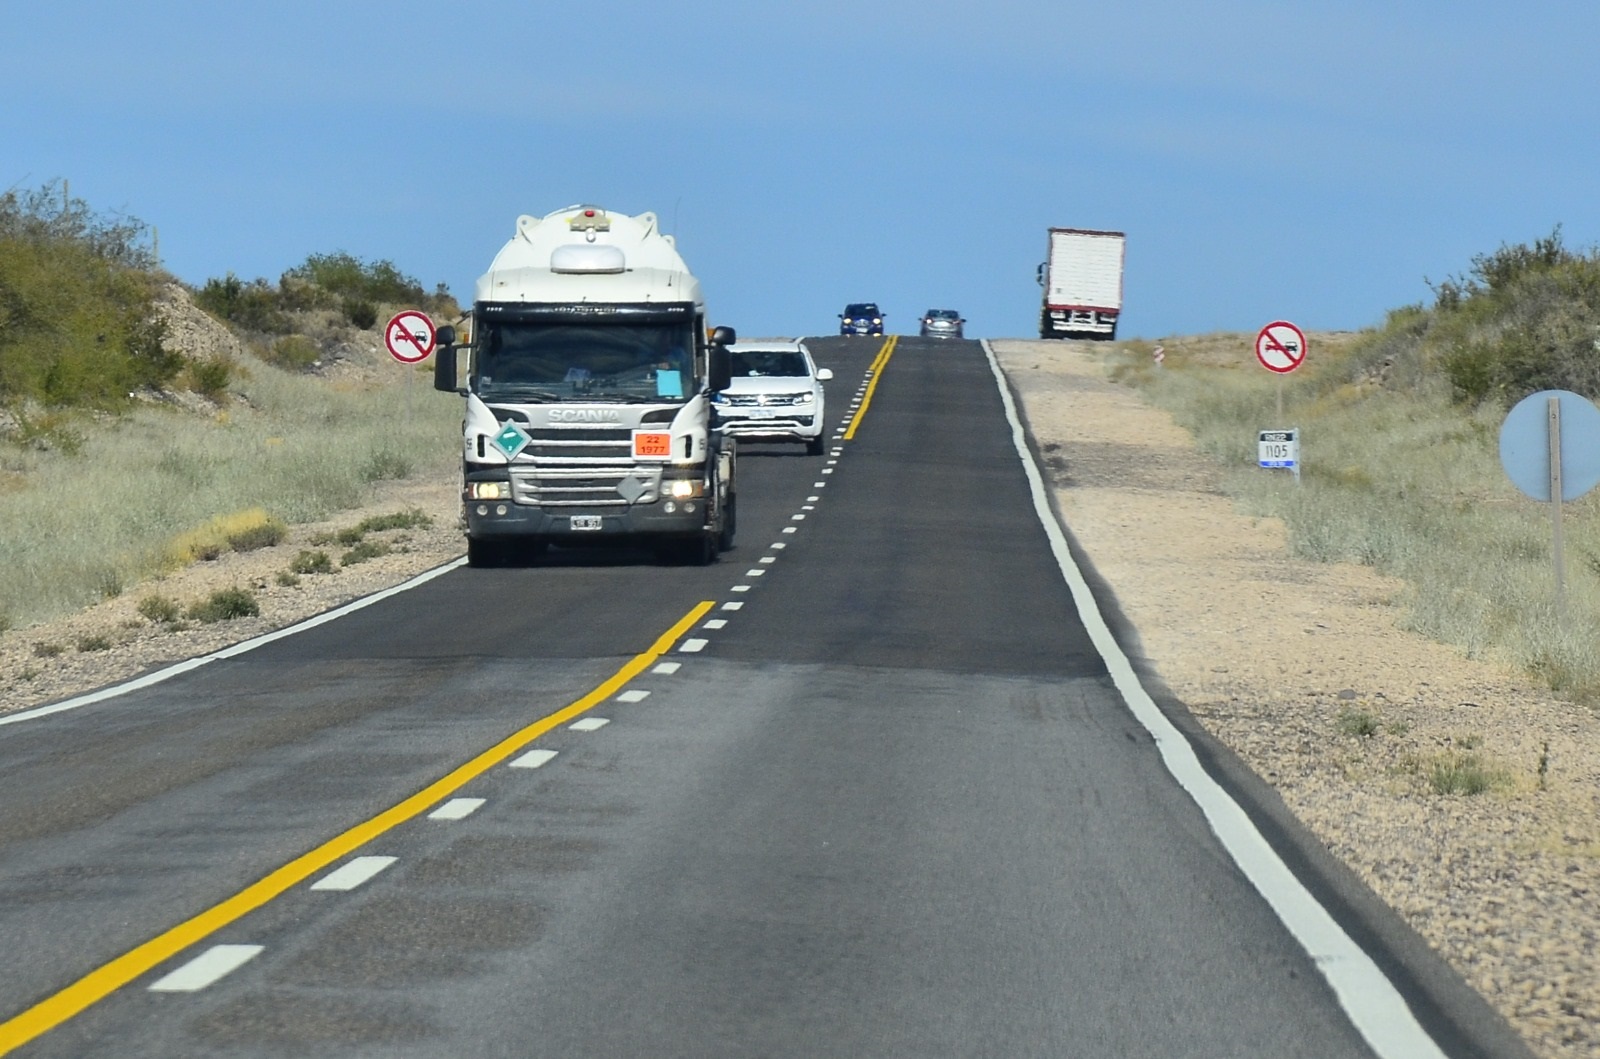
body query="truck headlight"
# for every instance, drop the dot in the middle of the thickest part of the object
(489, 490)
(683, 487)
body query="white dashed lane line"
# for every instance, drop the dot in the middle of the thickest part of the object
(589, 724)
(666, 669)
(734, 605)
(637, 695)
(208, 967)
(716, 623)
(456, 809)
(353, 874)
(741, 588)
(694, 645)
(533, 759)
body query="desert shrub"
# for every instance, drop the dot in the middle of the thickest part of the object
(239, 531)
(361, 313)
(260, 535)
(76, 328)
(252, 306)
(397, 520)
(385, 463)
(291, 352)
(311, 562)
(364, 551)
(1459, 773)
(209, 377)
(225, 604)
(47, 650)
(350, 535)
(160, 609)
(287, 579)
(1356, 722)
(94, 642)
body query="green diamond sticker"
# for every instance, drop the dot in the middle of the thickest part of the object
(511, 440)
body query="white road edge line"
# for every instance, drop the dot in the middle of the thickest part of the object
(206, 968)
(350, 875)
(160, 675)
(1371, 1001)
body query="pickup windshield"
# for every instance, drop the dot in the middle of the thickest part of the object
(588, 361)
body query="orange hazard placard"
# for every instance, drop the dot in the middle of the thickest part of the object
(652, 444)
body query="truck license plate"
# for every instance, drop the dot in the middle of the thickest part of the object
(585, 522)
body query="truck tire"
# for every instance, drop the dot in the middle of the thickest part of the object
(730, 523)
(485, 554)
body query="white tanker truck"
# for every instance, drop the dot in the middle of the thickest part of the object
(588, 389)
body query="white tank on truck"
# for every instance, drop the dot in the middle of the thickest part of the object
(588, 387)
(1082, 281)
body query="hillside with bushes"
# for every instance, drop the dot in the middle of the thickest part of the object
(136, 410)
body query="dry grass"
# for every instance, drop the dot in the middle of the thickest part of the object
(161, 486)
(1400, 479)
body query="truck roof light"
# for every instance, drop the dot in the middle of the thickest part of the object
(588, 258)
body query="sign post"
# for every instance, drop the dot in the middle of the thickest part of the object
(1281, 348)
(409, 337)
(1550, 449)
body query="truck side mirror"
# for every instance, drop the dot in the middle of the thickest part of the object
(444, 361)
(723, 336)
(719, 366)
(1038, 274)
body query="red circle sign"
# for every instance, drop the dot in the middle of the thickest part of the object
(409, 336)
(1281, 347)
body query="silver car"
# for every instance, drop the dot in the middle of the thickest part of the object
(942, 323)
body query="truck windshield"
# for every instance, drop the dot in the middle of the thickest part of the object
(588, 361)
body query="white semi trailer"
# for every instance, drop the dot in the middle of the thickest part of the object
(1082, 281)
(588, 394)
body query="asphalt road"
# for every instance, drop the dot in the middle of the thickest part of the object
(866, 787)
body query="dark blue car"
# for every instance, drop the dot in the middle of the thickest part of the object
(861, 318)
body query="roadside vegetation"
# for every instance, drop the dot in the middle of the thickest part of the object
(1400, 454)
(123, 456)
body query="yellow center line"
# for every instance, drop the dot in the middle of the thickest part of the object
(881, 362)
(106, 979)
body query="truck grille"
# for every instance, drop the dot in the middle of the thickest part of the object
(585, 486)
(579, 444)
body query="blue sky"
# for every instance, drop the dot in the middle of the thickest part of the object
(1317, 162)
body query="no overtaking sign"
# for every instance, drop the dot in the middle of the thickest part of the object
(1281, 347)
(409, 336)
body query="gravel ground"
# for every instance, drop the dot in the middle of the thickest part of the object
(1299, 667)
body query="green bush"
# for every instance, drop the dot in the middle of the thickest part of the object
(210, 377)
(364, 551)
(311, 562)
(94, 643)
(386, 463)
(361, 313)
(159, 609)
(291, 352)
(252, 306)
(225, 604)
(261, 535)
(398, 520)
